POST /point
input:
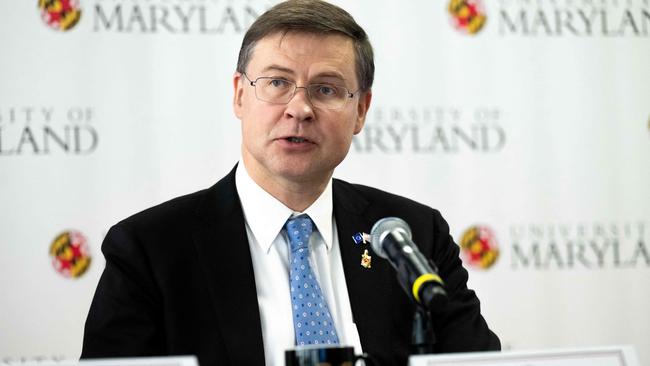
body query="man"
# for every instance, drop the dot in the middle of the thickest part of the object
(222, 273)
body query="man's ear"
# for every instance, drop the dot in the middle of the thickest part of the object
(238, 86)
(362, 110)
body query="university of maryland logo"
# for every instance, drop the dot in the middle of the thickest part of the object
(69, 253)
(479, 247)
(468, 16)
(60, 14)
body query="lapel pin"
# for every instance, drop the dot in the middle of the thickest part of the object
(366, 260)
(361, 238)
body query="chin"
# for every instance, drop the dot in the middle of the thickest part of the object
(303, 174)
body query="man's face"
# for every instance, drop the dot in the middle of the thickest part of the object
(270, 150)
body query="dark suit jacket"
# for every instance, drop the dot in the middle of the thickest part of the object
(179, 280)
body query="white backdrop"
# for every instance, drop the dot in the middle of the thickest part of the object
(536, 128)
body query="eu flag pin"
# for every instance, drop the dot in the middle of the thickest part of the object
(361, 238)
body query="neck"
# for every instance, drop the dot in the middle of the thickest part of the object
(296, 194)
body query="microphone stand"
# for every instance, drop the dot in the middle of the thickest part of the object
(423, 337)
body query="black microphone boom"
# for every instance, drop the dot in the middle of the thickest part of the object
(391, 239)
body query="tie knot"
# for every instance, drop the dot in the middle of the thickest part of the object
(299, 230)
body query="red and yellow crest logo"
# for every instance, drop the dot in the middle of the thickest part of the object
(479, 247)
(69, 253)
(468, 16)
(60, 14)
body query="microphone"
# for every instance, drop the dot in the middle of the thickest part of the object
(391, 239)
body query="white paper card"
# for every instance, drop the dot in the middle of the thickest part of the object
(134, 361)
(597, 356)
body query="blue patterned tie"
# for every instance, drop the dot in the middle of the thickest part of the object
(312, 321)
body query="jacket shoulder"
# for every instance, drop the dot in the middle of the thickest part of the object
(376, 198)
(161, 214)
(209, 203)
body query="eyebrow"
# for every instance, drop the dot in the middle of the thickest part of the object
(325, 74)
(330, 74)
(277, 68)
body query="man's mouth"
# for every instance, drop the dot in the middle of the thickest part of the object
(297, 139)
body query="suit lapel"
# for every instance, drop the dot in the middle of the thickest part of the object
(368, 288)
(225, 259)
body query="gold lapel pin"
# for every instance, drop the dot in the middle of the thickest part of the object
(366, 259)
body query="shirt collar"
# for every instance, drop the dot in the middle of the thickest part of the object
(266, 216)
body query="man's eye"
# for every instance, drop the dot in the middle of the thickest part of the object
(279, 83)
(326, 90)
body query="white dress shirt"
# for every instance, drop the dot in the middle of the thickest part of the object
(265, 218)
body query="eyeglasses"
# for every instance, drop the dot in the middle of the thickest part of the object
(281, 91)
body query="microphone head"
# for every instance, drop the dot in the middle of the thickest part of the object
(384, 226)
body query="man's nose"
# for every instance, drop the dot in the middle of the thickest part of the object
(300, 106)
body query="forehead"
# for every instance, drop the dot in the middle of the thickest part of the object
(305, 55)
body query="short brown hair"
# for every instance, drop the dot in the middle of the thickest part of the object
(311, 16)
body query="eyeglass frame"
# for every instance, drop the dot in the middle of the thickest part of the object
(349, 95)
